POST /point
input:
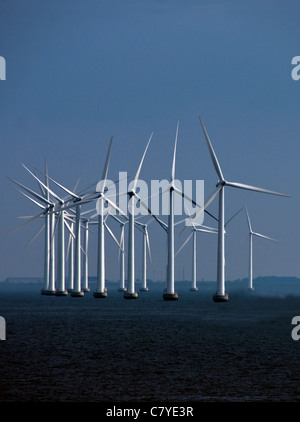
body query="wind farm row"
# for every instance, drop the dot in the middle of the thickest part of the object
(66, 227)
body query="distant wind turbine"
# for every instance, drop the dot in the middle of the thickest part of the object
(146, 248)
(251, 234)
(121, 253)
(221, 295)
(193, 235)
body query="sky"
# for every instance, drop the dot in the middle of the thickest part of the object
(79, 72)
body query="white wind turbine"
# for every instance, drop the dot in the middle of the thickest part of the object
(85, 264)
(76, 203)
(130, 292)
(170, 293)
(221, 295)
(146, 247)
(204, 229)
(101, 291)
(49, 214)
(121, 253)
(251, 234)
(52, 208)
(61, 277)
(195, 229)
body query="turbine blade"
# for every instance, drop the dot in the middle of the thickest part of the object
(76, 184)
(139, 226)
(187, 197)
(148, 245)
(87, 212)
(41, 188)
(264, 237)
(46, 187)
(141, 163)
(114, 206)
(212, 153)
(72, 194)
(160, 222)
(254, 188)
(74, 205)
(212, 216)
(234, 215)
(213, 231)
(174, 156)
(83, 251)
(208, 202)
(121, 242)
(46, 180)
(69, 229)
(26, 222)
(68, 248)
(183, 245)
(105, 169)
(36, 195)
(248, 219)
(101, 185)
(112, 235)
(35, 236)
(31, 199)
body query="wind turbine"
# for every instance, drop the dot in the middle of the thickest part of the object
(146, 247)
(170, 293)
(48, 211)
(85, 271)
(205, 229)
(195, 229)
(221, 295)
(130, 293)
(61, 281)
(251, 234)
(121, 253)
(101, 291)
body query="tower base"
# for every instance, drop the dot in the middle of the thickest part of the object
(128, 295)
(194, 289)
(61, 293)
(220, 298)
(86, 289)
(77, 294)
(100, 295)
(144, 289)
(48, 292)
(170, 296)
(250, 289)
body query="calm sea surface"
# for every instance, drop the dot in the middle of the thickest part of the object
(64, 349)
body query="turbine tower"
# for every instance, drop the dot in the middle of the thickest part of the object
(221, 295)
(251, 234)
(146, 248)
(85, 272)
(101, 291)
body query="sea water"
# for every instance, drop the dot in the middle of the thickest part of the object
(65, 349)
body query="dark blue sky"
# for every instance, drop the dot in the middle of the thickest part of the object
(81, 71)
